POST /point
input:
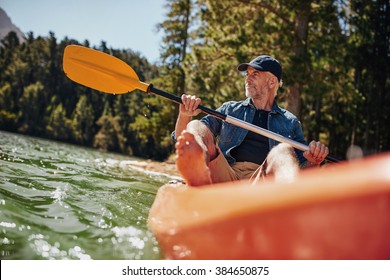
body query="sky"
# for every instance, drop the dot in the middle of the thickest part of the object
(122, 24)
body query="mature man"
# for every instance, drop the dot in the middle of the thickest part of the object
(212, 151)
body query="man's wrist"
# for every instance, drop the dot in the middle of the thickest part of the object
(184, 116)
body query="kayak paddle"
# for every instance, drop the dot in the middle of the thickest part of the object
(106, 73)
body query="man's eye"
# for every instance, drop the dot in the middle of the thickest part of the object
(254, 74)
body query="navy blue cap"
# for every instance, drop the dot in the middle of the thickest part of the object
(264, 63)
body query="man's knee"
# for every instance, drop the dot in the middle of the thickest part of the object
(282, 155)
(282, 150)
(282, 163)
(198, 128)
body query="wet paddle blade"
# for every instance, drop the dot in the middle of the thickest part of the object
(100, 71)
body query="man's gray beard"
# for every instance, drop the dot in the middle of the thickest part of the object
(252, 95)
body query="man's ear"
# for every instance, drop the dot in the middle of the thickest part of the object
(273, 82)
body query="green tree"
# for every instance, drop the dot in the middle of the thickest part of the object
(153, 128)
(153, 125)
(7, 117)
(110, 136)
(369, 37)
(9, 46)
(176, 41)
(31, 116)
(83, 122)
(59, 126)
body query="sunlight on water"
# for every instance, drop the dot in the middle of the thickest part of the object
(60, 201)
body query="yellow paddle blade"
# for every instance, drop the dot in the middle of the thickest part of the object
(100, 71)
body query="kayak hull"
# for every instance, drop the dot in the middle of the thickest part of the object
(340, 212)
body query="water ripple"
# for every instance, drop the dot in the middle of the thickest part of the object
(59, 201)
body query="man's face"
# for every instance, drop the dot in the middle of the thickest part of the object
(257, 84)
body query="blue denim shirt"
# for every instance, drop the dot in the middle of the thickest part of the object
(230, 136)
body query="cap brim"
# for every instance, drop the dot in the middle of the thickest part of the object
(244, 66)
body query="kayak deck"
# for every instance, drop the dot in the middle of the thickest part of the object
(337, 212)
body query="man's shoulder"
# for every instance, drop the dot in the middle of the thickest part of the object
(234, 108)
(287, 114)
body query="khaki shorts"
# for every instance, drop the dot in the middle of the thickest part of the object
(222, 171)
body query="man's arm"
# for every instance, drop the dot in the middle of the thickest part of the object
(316, 154)
(188, 109)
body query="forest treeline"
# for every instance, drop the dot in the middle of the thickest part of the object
(335, 58)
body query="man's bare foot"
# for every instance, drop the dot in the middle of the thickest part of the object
(191, 160)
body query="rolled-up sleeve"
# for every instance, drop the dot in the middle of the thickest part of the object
(213, 123)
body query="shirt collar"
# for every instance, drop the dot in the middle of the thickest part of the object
(275, 107)
(247, 102)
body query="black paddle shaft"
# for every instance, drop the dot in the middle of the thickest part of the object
(179, 101)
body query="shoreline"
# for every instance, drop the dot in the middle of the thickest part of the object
(147, 165)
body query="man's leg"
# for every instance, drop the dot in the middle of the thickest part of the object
(195, 148)
(282, 163)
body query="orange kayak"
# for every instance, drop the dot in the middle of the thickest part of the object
(340, 211)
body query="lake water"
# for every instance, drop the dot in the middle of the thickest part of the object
(59, 201)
